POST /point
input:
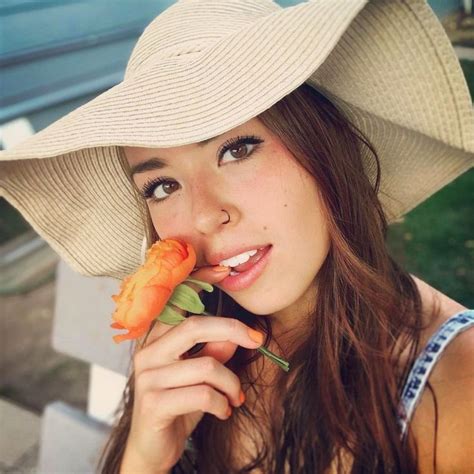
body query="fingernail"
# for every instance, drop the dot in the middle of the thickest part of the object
(255, 336)
(242, 397)
(220, 268)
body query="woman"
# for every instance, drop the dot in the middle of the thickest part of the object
(332, 145)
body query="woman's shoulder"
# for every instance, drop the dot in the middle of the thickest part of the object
(431, 296)
(452, 383)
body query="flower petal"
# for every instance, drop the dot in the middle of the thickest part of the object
(143, 295)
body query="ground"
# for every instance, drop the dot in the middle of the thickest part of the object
(32, 373)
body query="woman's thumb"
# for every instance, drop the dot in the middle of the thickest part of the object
(211, 275)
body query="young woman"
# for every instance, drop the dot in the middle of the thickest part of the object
(280, 145)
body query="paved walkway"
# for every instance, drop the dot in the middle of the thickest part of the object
(19, 439)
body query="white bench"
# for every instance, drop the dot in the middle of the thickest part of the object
(72, 440)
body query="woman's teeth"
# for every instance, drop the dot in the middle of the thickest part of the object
(238, 259)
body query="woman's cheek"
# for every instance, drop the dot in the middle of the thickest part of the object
(166, 224)
(262, 177)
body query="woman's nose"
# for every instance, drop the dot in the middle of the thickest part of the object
(209, 211)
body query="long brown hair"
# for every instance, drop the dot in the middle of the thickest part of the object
(341, 407)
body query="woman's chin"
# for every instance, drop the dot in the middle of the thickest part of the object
(259, 308)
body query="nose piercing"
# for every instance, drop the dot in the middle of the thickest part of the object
(228, 216)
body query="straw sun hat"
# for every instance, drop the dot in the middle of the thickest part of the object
(203, 67)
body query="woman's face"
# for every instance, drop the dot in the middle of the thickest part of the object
(270, 198)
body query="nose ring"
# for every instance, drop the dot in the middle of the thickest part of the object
(228, 216)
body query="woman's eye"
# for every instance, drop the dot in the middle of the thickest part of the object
(239, 152)
(158, 189)
(240, 148)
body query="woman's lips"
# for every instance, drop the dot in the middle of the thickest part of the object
(243, 267)
(248, 277)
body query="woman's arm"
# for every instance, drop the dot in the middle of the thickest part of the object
(131, 464)
(430, 296)
(451, 448)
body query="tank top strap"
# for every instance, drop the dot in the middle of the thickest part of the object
(426, 361)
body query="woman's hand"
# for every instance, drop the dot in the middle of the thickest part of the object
(173, 390)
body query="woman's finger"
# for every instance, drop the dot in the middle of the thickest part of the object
(174, 344)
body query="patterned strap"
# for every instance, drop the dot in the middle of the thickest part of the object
(425, 362)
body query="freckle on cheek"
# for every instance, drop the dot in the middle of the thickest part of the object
(264, 227)
(286, 205)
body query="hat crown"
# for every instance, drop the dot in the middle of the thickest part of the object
(191, 27)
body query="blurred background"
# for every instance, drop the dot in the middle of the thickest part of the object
(55, 56)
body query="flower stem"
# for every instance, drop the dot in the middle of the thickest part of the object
(274, 358)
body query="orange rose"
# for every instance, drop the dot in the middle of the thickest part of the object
(144, 294)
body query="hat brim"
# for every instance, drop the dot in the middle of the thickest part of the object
(385, 64)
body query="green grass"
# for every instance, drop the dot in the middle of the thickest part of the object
(12, 223)
(436, 240)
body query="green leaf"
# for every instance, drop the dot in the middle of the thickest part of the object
(170, 316)
(205, 286)
(186, 298)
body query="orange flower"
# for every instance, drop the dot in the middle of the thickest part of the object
(144, 294)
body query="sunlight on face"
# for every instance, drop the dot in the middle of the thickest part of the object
(270, 198)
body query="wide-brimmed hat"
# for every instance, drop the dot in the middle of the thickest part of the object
(203, 67)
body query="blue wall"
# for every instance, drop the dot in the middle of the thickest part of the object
(76, 49)
(441, 7)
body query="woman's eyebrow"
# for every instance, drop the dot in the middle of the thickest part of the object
(150, 164)
(156, 163)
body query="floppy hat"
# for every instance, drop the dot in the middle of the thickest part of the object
(203, 67)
